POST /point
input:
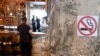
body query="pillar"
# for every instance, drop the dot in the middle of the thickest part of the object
(62, 31)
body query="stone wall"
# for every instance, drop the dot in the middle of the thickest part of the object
(63, 28)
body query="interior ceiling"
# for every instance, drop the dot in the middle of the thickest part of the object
(14, 2)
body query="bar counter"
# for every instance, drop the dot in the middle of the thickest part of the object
(4, 33)
(7, 33)
(15, 35)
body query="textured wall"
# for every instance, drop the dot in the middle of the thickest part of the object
(63, 28)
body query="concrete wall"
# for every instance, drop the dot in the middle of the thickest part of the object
(63, 28)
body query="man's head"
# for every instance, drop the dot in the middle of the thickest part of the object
(24, 20)
(33, 16)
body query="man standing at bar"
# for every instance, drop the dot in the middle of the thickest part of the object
(25, 37)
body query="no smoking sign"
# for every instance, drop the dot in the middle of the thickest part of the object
(87, 25)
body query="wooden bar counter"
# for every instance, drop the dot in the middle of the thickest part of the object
(7, 33)
(9, 42)
(15, 37)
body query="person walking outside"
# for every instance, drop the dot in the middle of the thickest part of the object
(33, 24)
(38, 24)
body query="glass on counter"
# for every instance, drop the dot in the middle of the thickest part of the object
(6, 28)
(10, 28)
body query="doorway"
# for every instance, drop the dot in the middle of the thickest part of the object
(38, 10)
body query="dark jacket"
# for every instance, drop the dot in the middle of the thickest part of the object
(23, 29)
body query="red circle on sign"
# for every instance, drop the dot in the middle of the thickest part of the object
(91, 32)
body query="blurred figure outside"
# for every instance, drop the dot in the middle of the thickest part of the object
(33, 24)
(38, 24)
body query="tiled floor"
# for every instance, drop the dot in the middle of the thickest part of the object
(40, 47)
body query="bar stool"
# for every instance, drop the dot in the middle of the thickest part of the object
(7, 45)
(15, 50)
(1, 50)
(16, 46)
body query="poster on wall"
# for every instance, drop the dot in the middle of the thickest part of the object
(87, 25)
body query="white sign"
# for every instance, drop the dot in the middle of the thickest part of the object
(87, 25)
